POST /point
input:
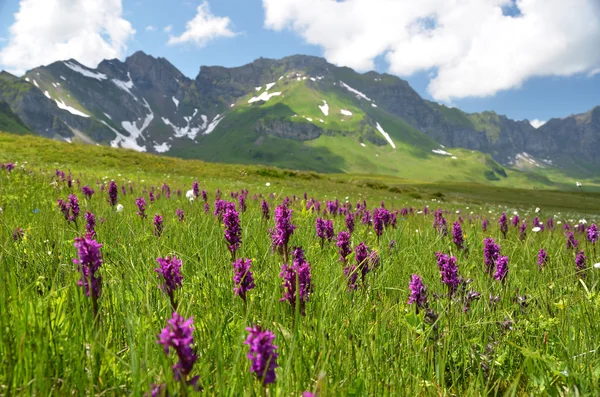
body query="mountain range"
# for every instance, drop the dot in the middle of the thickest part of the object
(299, 112)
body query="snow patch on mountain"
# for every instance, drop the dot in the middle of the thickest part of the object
(162, 148)
(213, 124)
(136, 132)
(47, 94)
(269, 86)
(324, 108)
(354, 91)
(125, 85)
(204, 121)
(108, 116)
(62, 105)
(346, 112)
(35, 83)
(176, 102)
(63, 77)
(265, 96)
(188, 130)
(123, 141)
(441, 152)
(258, 88)
(385, 135)
(85, 72)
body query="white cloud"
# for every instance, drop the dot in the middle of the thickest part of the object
(535, 123)
(150, 28)
(168, 28)
(204, 27)
(474, 48)
(45, 31)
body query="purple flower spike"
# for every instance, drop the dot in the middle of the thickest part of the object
(242, 277)
(233, 230)
(262, 354)
(418, 292)
(178, 335)
(180, 214)
(343, 243)
(158, 225)
(90, 224)
(350, 222)
(266, 212)
(297, 283)
(448, 271)
(112, 193)
(503, 223)
(89, 261)
(141, 204)
(484, 224)
(457, 234)
(170, 272)
(324, 229)
(580, 263)
(280, 235)
(491, 251)
(592, 233)
(501, 268)
(87, 191)
(571, 242)
(542, 259)
(196, 189)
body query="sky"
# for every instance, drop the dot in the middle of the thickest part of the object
(527, 59)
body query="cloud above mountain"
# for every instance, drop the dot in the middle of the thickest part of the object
(47, 30)
(474, 48)
(203, 28)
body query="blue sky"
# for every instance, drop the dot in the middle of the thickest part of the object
(263, 28)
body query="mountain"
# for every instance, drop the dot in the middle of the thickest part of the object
(298, 112)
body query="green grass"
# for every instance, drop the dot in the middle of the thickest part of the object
(367, 342)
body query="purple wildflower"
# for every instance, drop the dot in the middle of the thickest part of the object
(523, 231)
(418, 292)
(158, 225)
(242, 278)
(204, 196)
(64, 208)
(542, 258)
(350, 222)
(484, 224)
(592, 233)
(74, 207)
(266, 212)
(89, 261)
(112, 193)
(381, 218)
(324, 229)
(206, 208)
(262, 354)
(439, 222)
(351, 274)
(501, 268)
(170, 270)
(491, 251)
(516, 220)
(141, 204)
(180, 214)
(571, 242)
(366, 218)
(233, 230)
(87, 191)
(280, 235)
(178, 335)
(196, 189)
(362, 253)
(457, 234)
(343, 243)
(503, 223)
(296, 280)
(242, 203)
(580, 263)
(90, 224)
(448, 271)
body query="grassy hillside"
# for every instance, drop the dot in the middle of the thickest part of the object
(102, 161)
(10, 121)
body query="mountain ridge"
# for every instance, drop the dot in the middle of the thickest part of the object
(300, 102)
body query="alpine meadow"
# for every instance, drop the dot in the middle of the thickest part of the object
(303, 198)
